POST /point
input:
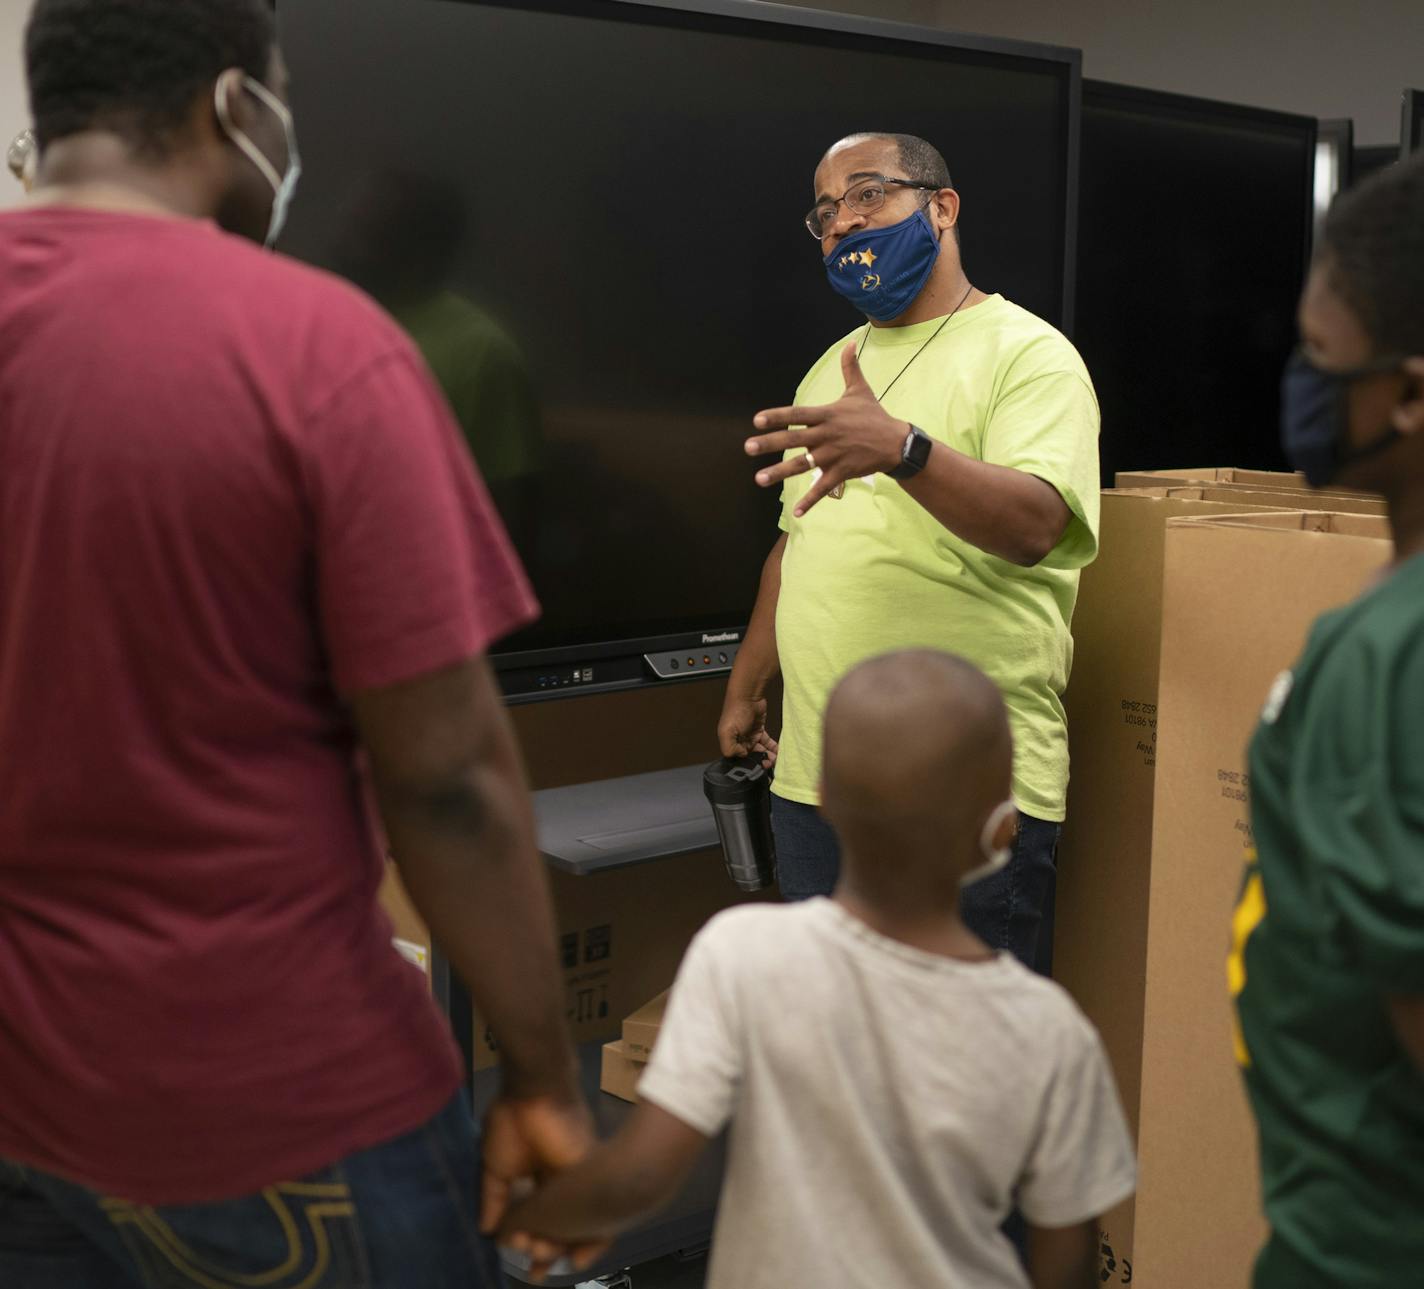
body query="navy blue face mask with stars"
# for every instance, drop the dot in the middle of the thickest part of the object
(882, 270)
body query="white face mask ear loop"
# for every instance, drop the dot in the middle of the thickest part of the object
(283, 114)
(1004, 810)
(250, 149)
(995, 857)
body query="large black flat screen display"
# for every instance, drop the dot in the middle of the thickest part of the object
(590, 216)
(1194, 236)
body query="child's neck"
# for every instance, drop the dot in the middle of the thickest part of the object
(927, 928)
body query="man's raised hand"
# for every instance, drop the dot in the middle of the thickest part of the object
(847, 439)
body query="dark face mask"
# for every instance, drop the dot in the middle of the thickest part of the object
(882, 270)
(1315, 418)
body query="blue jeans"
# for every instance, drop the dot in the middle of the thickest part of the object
(403, 1215)
(1011, 910)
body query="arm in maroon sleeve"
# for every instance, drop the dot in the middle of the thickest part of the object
(415, 578)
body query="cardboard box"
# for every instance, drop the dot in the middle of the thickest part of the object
(620, 1072)
(1239, 597)
(1274, 479)
(1346, 503)
(640, 1030)
(621, 936)
(1210, 474)
(1100, 938)
(411, 936)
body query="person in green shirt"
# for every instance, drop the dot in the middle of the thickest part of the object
(402, 242)
(940, 490)
(1327, 959)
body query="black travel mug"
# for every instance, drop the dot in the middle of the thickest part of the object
(739, 789)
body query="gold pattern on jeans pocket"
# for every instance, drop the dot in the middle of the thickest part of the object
(301, 1268)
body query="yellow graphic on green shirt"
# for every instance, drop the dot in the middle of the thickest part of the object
(1250, 910)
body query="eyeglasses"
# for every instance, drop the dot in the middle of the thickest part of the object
(864, 197)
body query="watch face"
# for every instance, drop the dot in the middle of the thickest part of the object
(913, 455)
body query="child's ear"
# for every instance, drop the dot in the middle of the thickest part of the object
(1408, 416)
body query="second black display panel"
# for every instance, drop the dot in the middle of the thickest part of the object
(1194, 237)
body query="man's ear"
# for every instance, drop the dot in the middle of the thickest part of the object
(1408, 416)
(944, 210)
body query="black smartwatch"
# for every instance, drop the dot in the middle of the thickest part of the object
(913, 455)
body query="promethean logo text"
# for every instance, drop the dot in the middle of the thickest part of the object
(723, 637)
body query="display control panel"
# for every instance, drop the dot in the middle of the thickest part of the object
(670, 664)
(710, 655)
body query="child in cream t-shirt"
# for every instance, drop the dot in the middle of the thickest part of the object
(894, 1089)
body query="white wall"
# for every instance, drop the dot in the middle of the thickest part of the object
(14, 110)
(1326, 58)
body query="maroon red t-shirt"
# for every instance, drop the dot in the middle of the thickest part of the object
(230, 493)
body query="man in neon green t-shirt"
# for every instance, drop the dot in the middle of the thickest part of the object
(940, 489)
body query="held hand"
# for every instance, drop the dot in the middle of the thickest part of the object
(742, 730)
(848, 439)
(527, 1139)
(541, 1254)
(542, 1257)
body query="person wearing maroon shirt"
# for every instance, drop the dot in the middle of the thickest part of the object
(241, 543)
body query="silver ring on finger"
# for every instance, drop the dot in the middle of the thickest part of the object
(810, 461)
